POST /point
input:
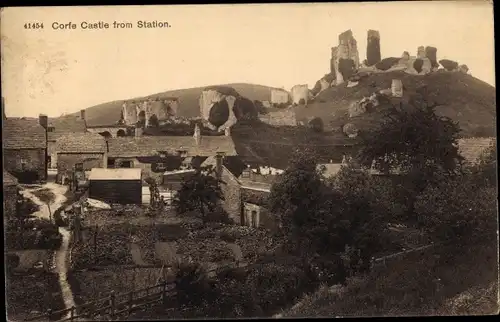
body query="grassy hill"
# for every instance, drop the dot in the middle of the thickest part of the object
(109, 113)
(465, 99)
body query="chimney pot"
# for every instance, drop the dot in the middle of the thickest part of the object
(82, 114)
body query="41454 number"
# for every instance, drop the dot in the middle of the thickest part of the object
(33, 25)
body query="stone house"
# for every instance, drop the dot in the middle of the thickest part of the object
(25, 148)
(81, 150)
(61, 126)
(10, 188)
(245, 193)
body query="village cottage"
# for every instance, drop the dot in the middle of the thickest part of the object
(25, 148)
(61, 126)
(79, 151)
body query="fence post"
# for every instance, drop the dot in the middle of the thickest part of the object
(72, 313)
(49, 314)
(164, 293)
(112, 303)
(130, 300)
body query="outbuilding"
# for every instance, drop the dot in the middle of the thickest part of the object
(122, 186)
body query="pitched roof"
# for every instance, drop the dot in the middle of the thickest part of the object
(115, 174)
(81, 143)
(65, 125)
(9, 179)
(472, 148)
(152, 145)
(23, 133)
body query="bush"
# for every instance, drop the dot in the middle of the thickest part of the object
(38, 234)
(279, 285)
(449, 65)
(316, 124)
(387, 63)
(417, 64)
(12, 261)
(192, 284)
(218, 216)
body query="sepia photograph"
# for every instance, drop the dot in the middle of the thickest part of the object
(298, 160)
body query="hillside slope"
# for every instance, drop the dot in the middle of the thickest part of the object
(466, 99)
(109, 113)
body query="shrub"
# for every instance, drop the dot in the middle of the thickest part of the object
(417, 64)
(449, 65)
(387, 63)
(12, 261)
(218, 216)
(192, 284)
(316, 124)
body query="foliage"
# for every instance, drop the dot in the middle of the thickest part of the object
(458, 209)
(36, 234)
(153, 121)
(200, 192)
(12, 261)
(418, 64)
(412, 138)
(219, 113)
(192, 284)
(316, 124)
(387, 63)
(449, 65)
(485, 172)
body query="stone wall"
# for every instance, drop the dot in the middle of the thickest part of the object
(66, 162)
(232, 195)
(162, 108)
(279, 96)
(347, 50)
(211, 97)
(284, 117)
(300, 92)
(25, 160)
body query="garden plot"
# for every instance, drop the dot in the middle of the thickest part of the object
(32, 294)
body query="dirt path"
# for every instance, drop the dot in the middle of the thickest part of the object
(61, 255)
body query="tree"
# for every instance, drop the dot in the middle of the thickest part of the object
(153, 121)
(200, 192)
(47, 197)
(412, 139)
(485, 171)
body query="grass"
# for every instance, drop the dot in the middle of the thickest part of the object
(32, 294)
(407, 287)
(467, 100)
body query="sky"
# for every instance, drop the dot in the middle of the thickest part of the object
(62, 71)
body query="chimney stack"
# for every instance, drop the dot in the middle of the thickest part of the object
(82, 114)
(197, 134)
(218, 164)
(43, 120)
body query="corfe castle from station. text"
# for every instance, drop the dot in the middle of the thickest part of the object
(96, 25)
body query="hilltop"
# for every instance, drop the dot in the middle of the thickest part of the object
(109, 113)
(465, 99)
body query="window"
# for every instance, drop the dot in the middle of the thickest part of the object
(126, 164)
(50, 129)
(111, 163)
(245, 173)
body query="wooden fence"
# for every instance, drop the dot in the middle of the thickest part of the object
(114, 305)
